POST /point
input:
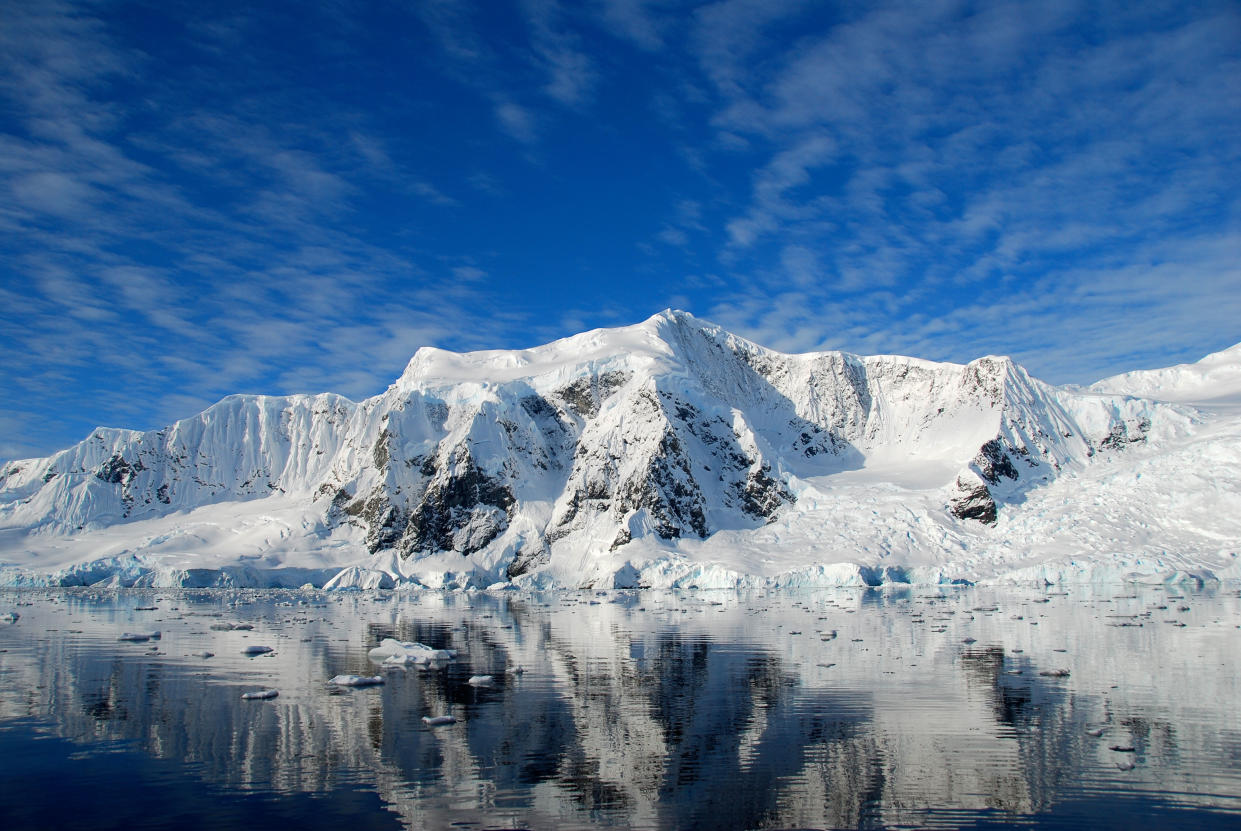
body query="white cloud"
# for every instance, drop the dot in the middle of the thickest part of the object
(727, 33)
(54, 193)
(789, 169)
(468, 274)
(449, 21)
(932, 178)
(909, 150)
(637, 20)
(138, 291)
(802, 265)
(571, 74)
(517, 121)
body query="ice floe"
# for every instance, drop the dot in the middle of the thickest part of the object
(256, 649)
(260, 695)
(391, 651)
(140, 637)
(357, 680)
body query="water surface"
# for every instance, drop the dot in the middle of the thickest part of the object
(829, 709)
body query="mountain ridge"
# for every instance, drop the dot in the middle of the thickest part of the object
(608, 457)
(1214, 378)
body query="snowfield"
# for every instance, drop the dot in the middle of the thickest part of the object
(666, 454)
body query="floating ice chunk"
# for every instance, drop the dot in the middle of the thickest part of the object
(134, 637)
(439, 721)
(412, 653)
(1055, 673)
(480, 681)
(203, 655)
(360, 578)
(259, 695)
(231, 627)
(11, 617)
(257, 650)
(357, 680)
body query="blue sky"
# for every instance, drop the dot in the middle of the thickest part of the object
(202, 198)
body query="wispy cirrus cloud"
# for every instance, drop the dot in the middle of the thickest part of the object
(554, 64)
(559, 53)
(517, 121)
(644, 22)
(926, 150)
(158, 262)
(263, 201)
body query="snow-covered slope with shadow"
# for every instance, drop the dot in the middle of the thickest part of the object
(668, 453)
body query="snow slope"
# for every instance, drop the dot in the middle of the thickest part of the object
(671, 452)
(1214, 379)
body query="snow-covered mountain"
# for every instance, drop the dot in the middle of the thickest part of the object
(666, 453)
(1214, 379)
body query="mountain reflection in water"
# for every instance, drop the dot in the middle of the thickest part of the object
(838, 709)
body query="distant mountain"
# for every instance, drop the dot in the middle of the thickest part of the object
(666, 453)
(1216, 377)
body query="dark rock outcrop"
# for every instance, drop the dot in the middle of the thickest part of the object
(973, 501)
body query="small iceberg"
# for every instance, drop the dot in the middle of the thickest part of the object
(260, 695)
(481, 681)
(439, 721)
(391, 651)
(139, 637)
(10, 617)
(357, 680)
(257, 650)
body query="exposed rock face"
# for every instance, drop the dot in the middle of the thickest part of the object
(461, 510)
(972, 500)
(992, 463)
(528, 559)
(667, 430)
(1125, 433)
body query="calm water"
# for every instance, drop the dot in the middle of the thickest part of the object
(643, 710)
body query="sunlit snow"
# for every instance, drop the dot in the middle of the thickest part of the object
(666, 454)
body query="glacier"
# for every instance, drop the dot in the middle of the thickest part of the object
(670, 454)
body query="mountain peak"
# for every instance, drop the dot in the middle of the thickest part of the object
(652, 341)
